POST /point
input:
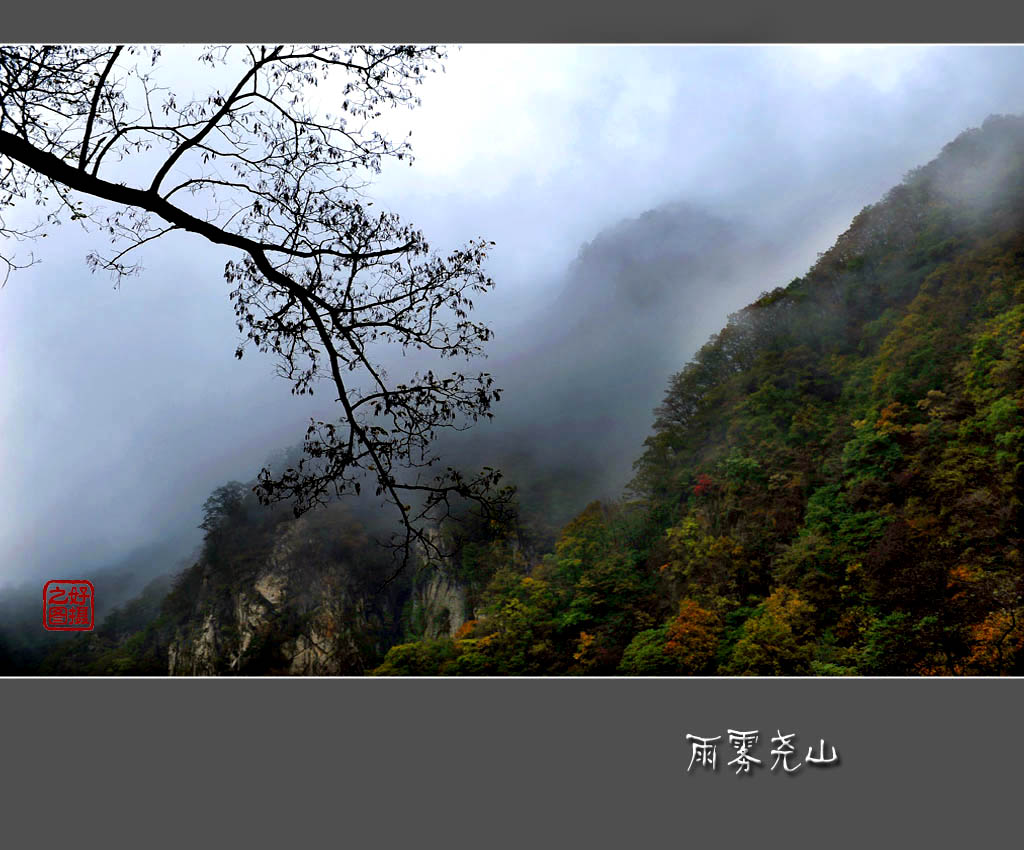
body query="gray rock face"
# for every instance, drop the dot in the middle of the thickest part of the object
(300, 611)
(440, 605)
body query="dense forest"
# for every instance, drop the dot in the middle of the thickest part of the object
(833, 486)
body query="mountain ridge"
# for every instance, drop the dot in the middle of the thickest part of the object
(833, 484)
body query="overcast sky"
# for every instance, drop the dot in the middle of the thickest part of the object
(121, 410)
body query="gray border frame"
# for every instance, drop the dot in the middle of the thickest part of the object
(507, 762)
(598, 21)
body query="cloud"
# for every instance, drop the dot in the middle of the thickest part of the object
(122, 410)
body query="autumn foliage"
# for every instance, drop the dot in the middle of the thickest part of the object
(692, 637)
(835, 483)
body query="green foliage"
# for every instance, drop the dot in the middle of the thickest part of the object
(423, 658)
(776, 641)
(833, 485)
(645, 655)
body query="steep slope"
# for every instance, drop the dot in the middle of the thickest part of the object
(834, 483)
(853, 441)
(582, 374)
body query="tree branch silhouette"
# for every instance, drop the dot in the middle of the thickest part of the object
(318, 281)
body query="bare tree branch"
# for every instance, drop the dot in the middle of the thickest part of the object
(318, 280)
(84, 156)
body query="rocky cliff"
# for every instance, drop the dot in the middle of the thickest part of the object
(304, 605)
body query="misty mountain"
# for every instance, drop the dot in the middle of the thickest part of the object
(576, 409)
(833, 484)
(582, 376)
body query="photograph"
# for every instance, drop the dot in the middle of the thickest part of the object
(512, 360)
(596, 427)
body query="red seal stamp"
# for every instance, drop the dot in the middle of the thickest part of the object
(68, 605)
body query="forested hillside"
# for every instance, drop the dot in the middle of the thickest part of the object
(834, 483)
(833, 486)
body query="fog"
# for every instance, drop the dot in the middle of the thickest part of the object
(636, 197)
